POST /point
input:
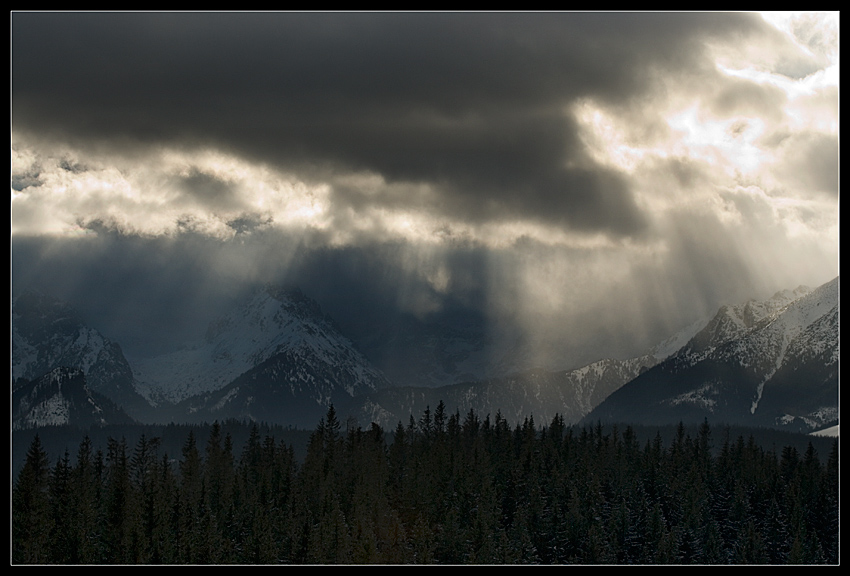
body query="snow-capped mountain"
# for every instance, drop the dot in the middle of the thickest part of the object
(48, 333)
(278, 358)
(732, 322)
(273, 321)
(770, 363)
(275, 357)
(61, 397)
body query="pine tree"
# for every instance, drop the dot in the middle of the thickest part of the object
(219, 479)
(31, 518)
(119, 520)
(145, 484)
(749, 548)
(164, 540)
(63, 534)
(828, 525)
(87, 493)
(191, 544)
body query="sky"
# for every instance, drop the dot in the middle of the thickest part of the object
(590, 182)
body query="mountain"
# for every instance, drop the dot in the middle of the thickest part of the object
(62, 397)
(539, 394)
(535, 393)
(731, 322)
(771, 363)
(47, 333)
(277, 358)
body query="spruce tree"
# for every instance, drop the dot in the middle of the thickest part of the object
(191, 545)
(119, 520)
(31, 518)
(87, 490)
(64, 545)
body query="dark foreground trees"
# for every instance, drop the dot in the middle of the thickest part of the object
(445, 489)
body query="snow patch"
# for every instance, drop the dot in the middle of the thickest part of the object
(831, 432)
(53, 411)
(699, 397)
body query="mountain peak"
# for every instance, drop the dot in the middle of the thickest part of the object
(733, 321)
(48, 333)
(790, 295)
(272, 320)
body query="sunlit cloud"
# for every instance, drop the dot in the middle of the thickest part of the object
(557, 170)
(205, 192)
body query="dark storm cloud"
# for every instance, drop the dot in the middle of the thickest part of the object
(23, 180)
(394, 165)
(209, 191)
(474, 105)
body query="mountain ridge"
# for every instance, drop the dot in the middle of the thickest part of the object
(276, 357)
(728, 368)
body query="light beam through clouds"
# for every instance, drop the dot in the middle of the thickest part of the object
(590, 181)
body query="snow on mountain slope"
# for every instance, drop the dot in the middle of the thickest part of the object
(595, 382)
(48, 333)
(764, 348)
(271, 322)
(769, 363)
(804, 387)
(43, 404)
(61, 397)
(732, 322)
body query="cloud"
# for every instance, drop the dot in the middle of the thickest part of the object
(547, 171)
(809, 161)
(473, 105)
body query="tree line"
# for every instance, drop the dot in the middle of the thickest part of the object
(444, 488)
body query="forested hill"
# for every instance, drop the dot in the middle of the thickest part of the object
(443, 489)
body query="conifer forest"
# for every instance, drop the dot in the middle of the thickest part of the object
(443, 489)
